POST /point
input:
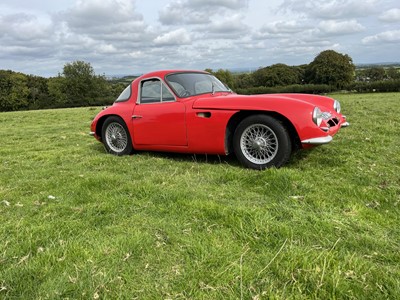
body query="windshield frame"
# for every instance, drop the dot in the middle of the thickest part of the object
(189, 86)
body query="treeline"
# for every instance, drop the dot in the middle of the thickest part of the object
(354, 87)
(329, 72)
(78, 85)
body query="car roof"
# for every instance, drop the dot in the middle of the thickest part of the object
(163, 73)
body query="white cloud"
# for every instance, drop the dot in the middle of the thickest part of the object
(137, 54)
(92, 13)
(103, 17)
(177, 37)
(332, 27)
(130, 36)
(231, 4)
(23, 27)
(392, 36)
(232, 24)
(22, 51)
(331, 9)
(282, 28)
(228, 28)
(107, 49)
(101, 28)
(198, 11)
(391, 15)
(177, 13)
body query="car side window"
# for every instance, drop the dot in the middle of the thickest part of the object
(166, 94)
(150, 91)
(154, 91)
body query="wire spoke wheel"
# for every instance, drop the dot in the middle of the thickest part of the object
(261, 141)
(116, 137)
(259, 144)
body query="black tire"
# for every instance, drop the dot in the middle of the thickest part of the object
(261, 141)
(115, 136)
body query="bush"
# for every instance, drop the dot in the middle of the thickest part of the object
(384, 86)
(296, 88)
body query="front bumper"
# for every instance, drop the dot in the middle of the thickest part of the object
(331, 127)
(318, 140)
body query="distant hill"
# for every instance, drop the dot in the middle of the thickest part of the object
(125, 79)
(383, 65)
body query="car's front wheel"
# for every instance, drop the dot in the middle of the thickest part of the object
(115, 136)
(261, 141)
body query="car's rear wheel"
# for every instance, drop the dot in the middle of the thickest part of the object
(115, 136)
(261, 141)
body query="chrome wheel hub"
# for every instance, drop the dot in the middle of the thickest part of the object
(259, 144)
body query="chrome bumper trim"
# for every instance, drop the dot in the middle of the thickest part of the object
(326, 129)
(318, 141)
(345, 124)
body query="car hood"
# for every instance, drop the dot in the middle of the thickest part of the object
(235, 101)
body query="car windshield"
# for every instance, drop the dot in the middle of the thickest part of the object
(191, 84)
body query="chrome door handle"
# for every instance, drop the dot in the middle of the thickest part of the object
(136, 117)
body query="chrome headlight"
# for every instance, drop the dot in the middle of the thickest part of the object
(317, 116)
(336, 106)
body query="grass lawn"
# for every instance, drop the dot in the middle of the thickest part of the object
(77, 223)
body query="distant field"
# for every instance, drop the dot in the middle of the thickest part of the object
(77, 223)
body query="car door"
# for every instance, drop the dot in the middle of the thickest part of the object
(158, 119)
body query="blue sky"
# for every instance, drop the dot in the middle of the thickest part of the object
(132, 37)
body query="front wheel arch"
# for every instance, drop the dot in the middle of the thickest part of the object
(261, 141)
(235, 120)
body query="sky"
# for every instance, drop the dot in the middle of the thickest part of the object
(137, 36)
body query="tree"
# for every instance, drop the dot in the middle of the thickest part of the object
(57, 91)
(81, 85)
(223, 75)
(277, 75)
(332, 68)
(375, 73)
(79, 82)
(244, 80)
(13, 91)
(38, 92)
(393, 73)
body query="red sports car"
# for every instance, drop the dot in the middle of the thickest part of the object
(194, 112)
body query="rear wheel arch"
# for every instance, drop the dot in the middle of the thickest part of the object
(99, 125)
(102, 125)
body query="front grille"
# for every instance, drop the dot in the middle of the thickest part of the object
(333, 122)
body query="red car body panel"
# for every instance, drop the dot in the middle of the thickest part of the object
(199, 124)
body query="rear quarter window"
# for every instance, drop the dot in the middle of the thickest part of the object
(125, 95)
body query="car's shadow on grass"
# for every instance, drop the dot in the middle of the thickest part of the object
(296, 160)
(323, 157)
(181, 157)
(195, 158)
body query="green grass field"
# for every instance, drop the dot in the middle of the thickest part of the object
(77, 223)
